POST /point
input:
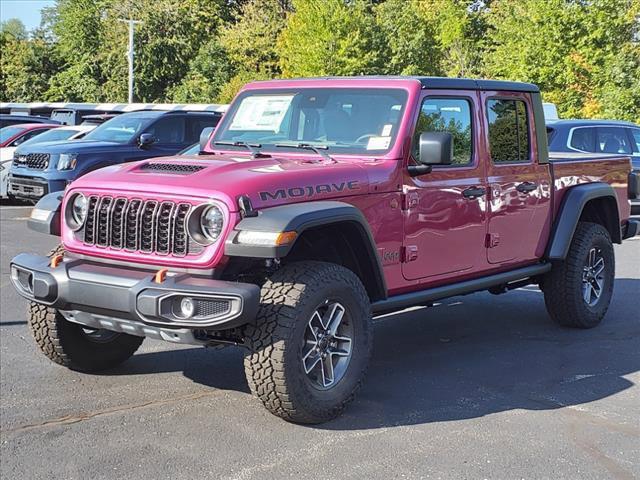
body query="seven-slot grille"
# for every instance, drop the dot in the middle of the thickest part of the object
(147, 226)
(38, 161)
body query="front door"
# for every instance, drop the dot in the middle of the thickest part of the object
(519, 187)
(445, 210)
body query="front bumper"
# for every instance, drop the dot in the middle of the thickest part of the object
(29, 188)
(134, 294)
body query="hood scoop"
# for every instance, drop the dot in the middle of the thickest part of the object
(172, 168)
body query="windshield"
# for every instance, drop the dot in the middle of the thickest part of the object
(340, 120)
(52, 135)
(7, 132)
(120, 129)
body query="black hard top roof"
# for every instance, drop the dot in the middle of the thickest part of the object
(445, 82)
(476, 84)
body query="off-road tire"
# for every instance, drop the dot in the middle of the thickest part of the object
(66, 343)
(273, 365)
(562, 286)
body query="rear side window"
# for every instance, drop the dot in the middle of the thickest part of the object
(169, 129)
(509, 139)
(451, 115)
(195, 125)
(613, 140)
(583, 139)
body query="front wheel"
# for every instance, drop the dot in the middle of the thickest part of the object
(311, 343)
(73, 345)
(578, 290)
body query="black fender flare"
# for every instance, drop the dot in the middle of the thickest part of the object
(573, 204)
(45, 216)
(299, 217)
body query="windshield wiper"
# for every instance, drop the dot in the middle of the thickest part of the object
(307, 146)
(252, 147)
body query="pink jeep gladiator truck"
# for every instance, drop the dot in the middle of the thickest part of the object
(316, 204)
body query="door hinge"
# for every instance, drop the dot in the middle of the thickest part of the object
(410, 200)
(409, 253)
(492, 240)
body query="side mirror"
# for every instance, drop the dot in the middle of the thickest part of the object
(204, 137)
(146, 139)
(435, 148)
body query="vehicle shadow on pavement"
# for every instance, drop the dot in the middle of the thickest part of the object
(220, 369)
(465, 358)
(491, 354)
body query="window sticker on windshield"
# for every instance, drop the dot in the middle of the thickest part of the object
(261, 112)
(378, 143)
(386, 130)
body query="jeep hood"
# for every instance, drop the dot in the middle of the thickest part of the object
(266, 181)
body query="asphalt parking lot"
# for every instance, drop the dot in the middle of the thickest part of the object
(476, 387)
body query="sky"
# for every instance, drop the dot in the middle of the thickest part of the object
(26, 10)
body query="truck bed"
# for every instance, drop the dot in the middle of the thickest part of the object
(571, 169)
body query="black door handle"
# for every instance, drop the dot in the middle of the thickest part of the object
(474, 192)
(527, 187)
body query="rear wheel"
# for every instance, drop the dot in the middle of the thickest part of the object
(75, 346)
(311, 344)
(578, 290)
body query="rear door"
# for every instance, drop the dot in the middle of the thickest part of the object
(445, 210)
(519, 188)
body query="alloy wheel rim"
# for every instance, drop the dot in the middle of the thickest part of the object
(593, 277)
(327, 345)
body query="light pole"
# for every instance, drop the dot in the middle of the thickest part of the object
(130, 53)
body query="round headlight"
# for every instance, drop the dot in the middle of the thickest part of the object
(211, 222)
(79, 209)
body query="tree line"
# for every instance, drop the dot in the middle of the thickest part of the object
(584, 54)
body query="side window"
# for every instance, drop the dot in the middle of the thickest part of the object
(635, 133)
(583, 139)
(612, 140)
(25, 137)
(508, 131)
(195, 125)
(451, 115)
(168, 130)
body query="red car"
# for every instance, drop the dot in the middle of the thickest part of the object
(314, 205)
(14, 135)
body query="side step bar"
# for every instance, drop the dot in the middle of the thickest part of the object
(405, 300)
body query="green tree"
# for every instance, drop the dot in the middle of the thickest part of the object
(574, 50)
(412, 47)
(251, 40)
(25, 68)
(459, 28)
(208, 72)
(332, 37)
(15, 28)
